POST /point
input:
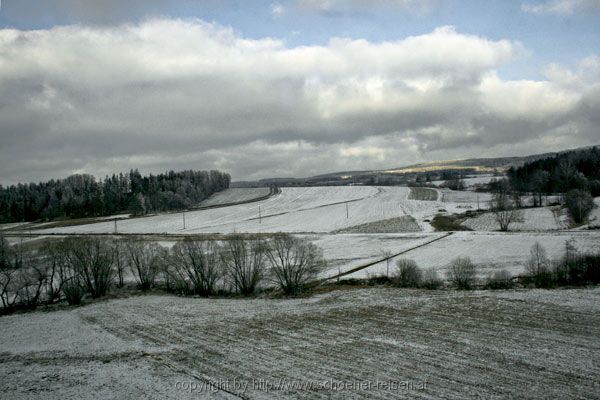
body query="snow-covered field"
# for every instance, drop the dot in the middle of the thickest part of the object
(235, 195)
(516, 344)
(533, 219)
(323, 213)
(491, 251)
(316, 209)
(313, 209)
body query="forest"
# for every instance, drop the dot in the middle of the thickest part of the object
(571, 170)
(82, 195)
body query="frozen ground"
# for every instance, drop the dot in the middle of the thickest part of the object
(534, 344)
(533, 219)
(491, 251)
(313, 209)
(235, 195)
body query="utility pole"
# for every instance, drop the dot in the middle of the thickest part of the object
(183, 214)
(259, 216)
(346, 210)
(116, 225)
(477, 201)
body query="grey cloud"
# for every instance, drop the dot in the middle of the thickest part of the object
(170, 94)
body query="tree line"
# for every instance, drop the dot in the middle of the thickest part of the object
(571, 170)
(575, 175)
(73, 268)
(82, 195)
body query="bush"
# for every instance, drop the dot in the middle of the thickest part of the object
(578, 269)
(407, 274)
(431, 280)
(500, 280)
(462, 273)
(73, 291)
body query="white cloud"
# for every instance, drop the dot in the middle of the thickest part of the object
(277, 10)
(345, 6)
(168, 94)
(561, 7)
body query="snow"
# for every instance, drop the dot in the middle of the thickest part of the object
(490, 251)
(533, 219)
(346, 251)
(459, 342)
(314, 209)
(235, 195)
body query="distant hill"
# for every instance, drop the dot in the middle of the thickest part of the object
(406, 174)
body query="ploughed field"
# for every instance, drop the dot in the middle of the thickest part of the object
(430, 344)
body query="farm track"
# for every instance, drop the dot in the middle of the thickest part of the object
(462, 344)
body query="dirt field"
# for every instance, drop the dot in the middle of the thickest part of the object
(443, 344)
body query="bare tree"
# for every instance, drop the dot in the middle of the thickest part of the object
(8, 274)
(408, 273)
(387, 255)
(579, 203)
(120, 261)
(52, 256)
(538, 262)
(91, 259)
(462, 273)
(245, 263)
(505, 212)
(31, 280)
(145, 260)
(294, 262)
(195, 266)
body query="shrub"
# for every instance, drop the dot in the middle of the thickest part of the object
(462, 273)
(500, 280)
(431, 280)
(578, 269)
(73, 291)
(407, 274)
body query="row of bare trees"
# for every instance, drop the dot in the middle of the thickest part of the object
(75, 267)
(242, 265)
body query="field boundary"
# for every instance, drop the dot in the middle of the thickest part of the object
(272, 192)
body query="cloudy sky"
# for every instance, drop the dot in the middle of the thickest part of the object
(290, 87)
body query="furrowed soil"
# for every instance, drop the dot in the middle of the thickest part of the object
(506, 344)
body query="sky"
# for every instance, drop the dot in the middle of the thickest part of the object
(290, 88)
